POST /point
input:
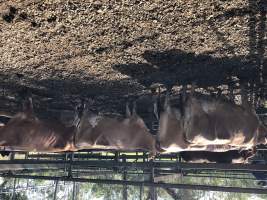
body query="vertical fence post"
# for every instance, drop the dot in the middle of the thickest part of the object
(153, 190)
(55, 192)
(12, 155)
(26, 155)
(73, 191)
(141, 192)
(124, 179)
(14, 189)
(71, 157)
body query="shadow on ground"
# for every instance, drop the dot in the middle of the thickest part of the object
(176, 67)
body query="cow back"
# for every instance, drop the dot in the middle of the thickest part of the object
(32, 134)
(215, 122)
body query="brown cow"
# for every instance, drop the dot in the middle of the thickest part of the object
(209, 124)
(130, 133)
(28, 133)
(232, 156)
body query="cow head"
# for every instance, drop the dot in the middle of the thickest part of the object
(246, 154)
(171, 135)
(83, 135)
(143, 138)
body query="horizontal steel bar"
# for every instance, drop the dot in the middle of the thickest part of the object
(98, 156)
(143, 165)
(29, 166)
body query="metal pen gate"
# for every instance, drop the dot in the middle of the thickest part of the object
(81, 166)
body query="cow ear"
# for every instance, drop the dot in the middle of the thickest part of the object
(134, 109)
(128, 112)
(156, 110)
(167, 100)
(28, 106)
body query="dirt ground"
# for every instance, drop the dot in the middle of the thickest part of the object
(62, 51)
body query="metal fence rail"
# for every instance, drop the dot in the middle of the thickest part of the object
(86, 165)
(137, 165)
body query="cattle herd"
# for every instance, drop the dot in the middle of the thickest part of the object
(203, 129)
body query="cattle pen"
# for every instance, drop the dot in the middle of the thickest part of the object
(85, 166)
(112, 52)
(125, 170)
(129, 169)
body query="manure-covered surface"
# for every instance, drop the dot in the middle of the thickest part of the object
(63, 51)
